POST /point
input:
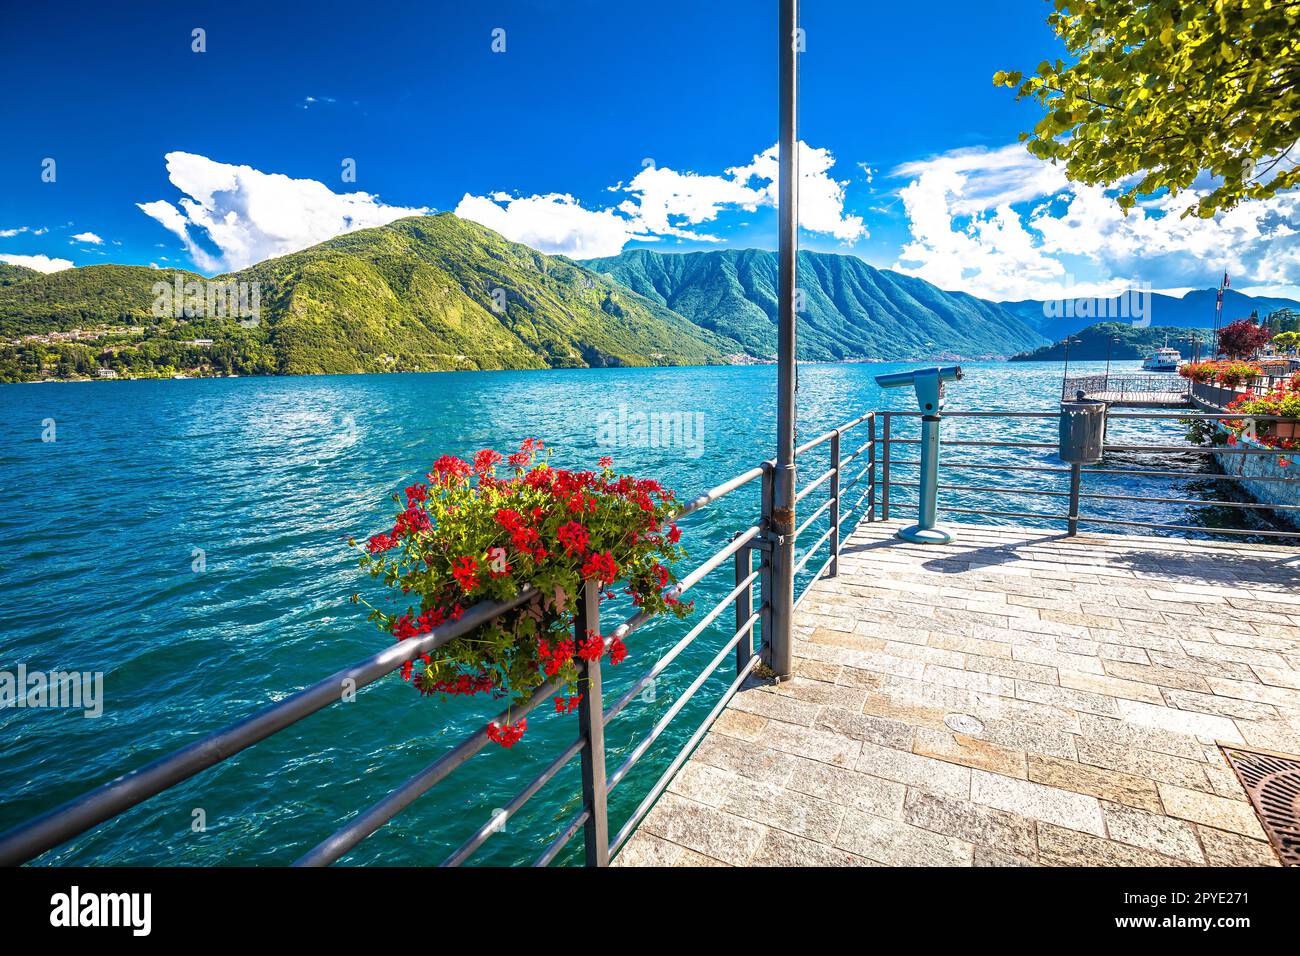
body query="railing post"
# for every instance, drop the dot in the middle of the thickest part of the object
(765, 569)
(884, 472)
(835, 503)
(1076, 476)
(591, 724)
(871, 469)
(744, 606)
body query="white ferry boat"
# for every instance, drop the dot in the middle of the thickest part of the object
(1162, 360)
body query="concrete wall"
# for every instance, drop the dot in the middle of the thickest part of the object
(1266, 466)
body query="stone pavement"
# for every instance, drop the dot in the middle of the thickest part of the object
(1015, 698)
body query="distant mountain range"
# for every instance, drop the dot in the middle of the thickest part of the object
(849, 309)
(433, 293)
(1192, 310)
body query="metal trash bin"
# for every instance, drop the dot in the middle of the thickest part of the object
(1083, 431)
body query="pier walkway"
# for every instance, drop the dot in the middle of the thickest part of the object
(1161, 390)
(1018, 697)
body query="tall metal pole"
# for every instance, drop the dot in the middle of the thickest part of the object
(781, 524)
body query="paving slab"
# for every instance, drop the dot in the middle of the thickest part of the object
(1014, 698)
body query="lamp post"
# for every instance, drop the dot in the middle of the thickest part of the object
(1110, 341)
(780, 524)
(1066, 376)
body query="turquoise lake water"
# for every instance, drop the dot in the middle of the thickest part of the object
(269, 477)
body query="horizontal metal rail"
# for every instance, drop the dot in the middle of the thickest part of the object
(826, 436)
(1006, 514)
(63, 823)
(1248, 532)
(1196, 449)
(561, 841)
(1075, 474)
(812, 551)
(499, 819)
(726, 488)
(1204, 475)
(658, 667)
(660, 725)
(985, 489)
(347, 837)
(965, 464)
(981, 444)
(666, 778)
(814, 485)
(812, 518)
(1188, 501)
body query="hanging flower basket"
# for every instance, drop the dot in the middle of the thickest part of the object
(471, 535)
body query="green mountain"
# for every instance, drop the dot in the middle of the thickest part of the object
(851, 310)
(1191, 310)
(9, 274)
(1094, 343)
(88, 297)
(424, 293)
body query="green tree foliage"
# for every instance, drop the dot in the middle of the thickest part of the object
(1118, 339)
(1283, 320)
(1166, 90)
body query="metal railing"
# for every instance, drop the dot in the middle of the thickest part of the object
(1073, 488)
(1221, 396)
(43, 833)
(1137, 386)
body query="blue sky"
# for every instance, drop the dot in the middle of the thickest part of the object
(238, 151)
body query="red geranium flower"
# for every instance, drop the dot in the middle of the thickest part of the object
(485, 460)
(379, 542)
(592, 648)
(553, 656)
(573, 536)
(600, 567)
(508, 735)
(449, 470)
(465, 571)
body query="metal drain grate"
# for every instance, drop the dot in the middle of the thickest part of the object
(1272, 783)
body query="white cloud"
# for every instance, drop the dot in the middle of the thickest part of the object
(249, 215)
(821, 197)
(39, 263)
(89, 237)
(667, 202)
(553, 223)
(1004, 225)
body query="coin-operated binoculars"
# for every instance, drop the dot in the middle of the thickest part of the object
(929, 384)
